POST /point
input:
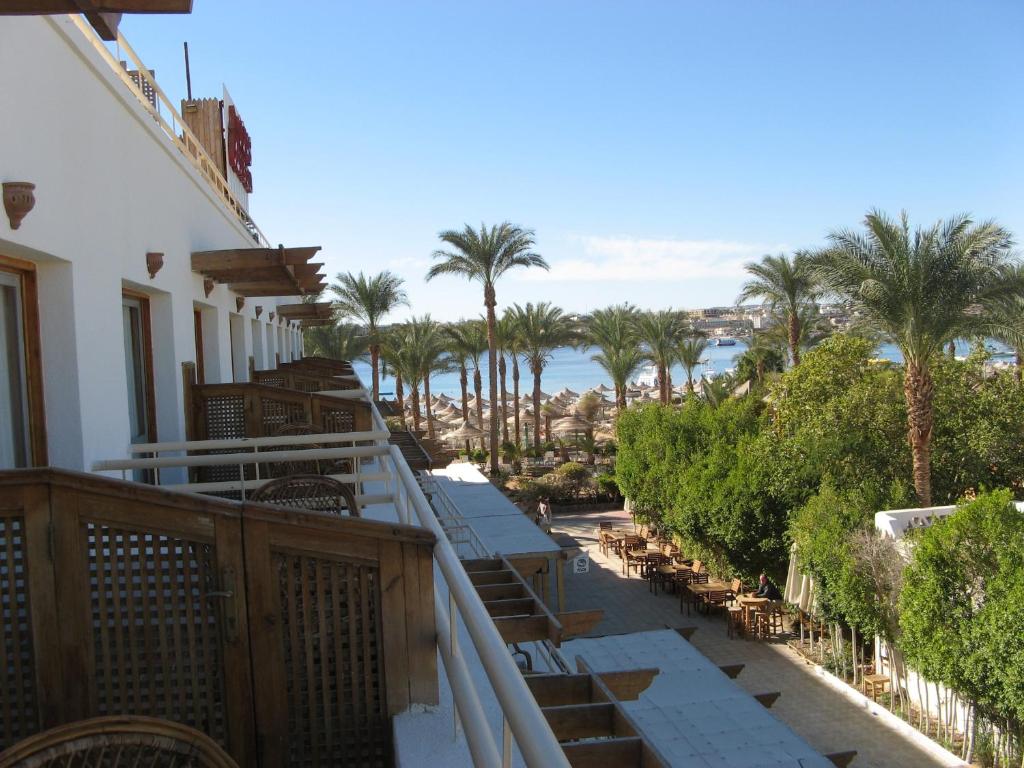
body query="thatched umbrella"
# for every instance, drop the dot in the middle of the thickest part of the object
(602, 388)
(466, 432)
(569, 425)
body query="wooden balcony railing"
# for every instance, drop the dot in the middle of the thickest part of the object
(259, 626)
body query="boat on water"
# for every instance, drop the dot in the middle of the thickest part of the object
(724, 341)
(648, 377)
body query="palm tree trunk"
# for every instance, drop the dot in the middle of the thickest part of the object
(662, 381)
(515, 396)
(464, 383)
(504, 398)
(492, 373)
(416, 409)
(400, 395)
(919, 391)
(794, 337)
(478, 384)
(426, 405)
(1019, 360)
(536, 407)
(375, 367)
(668, 385)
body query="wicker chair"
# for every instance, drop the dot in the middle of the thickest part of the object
(318, 493)
(314, 467)
(118, 742)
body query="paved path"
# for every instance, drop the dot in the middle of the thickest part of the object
(827, 720)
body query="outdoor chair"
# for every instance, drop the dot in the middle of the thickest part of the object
(699, 575)
(311, 467)
(768, 621)
(119, 741)
(661, 574)
(317, 493)
(734, 620)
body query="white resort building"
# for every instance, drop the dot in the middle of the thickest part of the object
(212, 547)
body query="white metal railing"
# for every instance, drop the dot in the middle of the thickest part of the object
(521, 715)
(165, 114)
(246, 452)
(461, 534)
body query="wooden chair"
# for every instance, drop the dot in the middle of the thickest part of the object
(314, 467)
(118, 742)
(768, 621)
(318, 493)
(699, 575)
(662, 574)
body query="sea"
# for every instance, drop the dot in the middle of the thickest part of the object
(573, 369)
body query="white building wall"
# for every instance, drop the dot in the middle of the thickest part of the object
(110, 187)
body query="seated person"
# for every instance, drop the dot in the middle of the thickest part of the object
(767, 589)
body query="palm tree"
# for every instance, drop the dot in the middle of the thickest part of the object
(543, 328)
(660, 332)
(340, 342)
(431, 345)
(690, 353)
(814, 328)
(717, 390)
(513, 345)
(461, 350)
(613, 330)
(786, 286)
(369, 299)
(922, 290)
(392, 340)
(1009, 317)
(484, 256)
(762, 356)
(504, 332)
(400, 346)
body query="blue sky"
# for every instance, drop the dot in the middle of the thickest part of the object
(653, 146)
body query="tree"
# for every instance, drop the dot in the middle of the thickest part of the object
(514, 345)
(431, 345)
(922, 290)
(466, 342)
(690, 353)
(340, 342)
(786, 286)
(483, 256)
(760, 358)
(368, 299)
(542, 329)
(613, 331)
(959, 624)
(504, 335)
(661, 332)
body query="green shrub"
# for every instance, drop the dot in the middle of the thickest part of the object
(607, 486)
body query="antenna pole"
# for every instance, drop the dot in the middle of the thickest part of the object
(188, 74)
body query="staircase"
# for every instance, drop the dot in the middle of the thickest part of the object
(415, 455)
(518, 613)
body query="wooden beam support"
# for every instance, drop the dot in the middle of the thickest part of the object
(500, 592)
(581, 721)
(521, 629)
(576, 623)
(43, 7)
(767, 699)
(483, 578)
(105, 24)
(522, 606)
(841, 759)
(732, 671)
(603, 753)
(251, 258)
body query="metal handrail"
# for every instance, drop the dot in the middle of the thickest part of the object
(537, 742)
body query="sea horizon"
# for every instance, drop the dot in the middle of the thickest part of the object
(573, 368)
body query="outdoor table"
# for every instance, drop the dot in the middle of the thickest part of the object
(697, 591)
(641, 559)
(750, 605)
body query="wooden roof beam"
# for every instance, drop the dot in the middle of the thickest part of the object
(251, 258)
(44, 7)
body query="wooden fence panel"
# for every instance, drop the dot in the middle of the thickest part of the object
(120, 598)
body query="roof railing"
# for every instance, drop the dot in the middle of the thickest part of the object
(166, 115)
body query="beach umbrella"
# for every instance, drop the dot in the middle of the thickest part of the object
(570, 425)
(604, 434)
(443, 398)
(566, 392)
(543, 395)
(602, 388)
(466, 432)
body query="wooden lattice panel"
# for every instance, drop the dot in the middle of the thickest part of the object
(278, 413)
(156, 635)
(225, 417)
(330, 627)
(338, 420)
(18, 712)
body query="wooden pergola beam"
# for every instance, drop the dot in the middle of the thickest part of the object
(251, 258)
(104, 15)
(321, 310)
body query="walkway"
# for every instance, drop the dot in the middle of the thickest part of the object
(827, 720)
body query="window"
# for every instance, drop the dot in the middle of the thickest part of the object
(22, 425)
(138, 361)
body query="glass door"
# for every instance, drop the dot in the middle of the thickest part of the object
(15, 446)
(137, 367)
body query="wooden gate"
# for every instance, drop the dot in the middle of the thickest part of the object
(259, 626)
